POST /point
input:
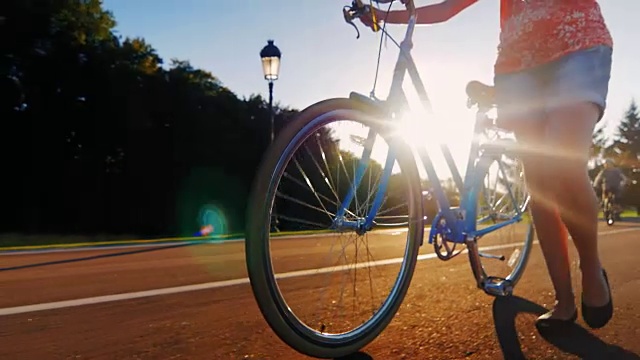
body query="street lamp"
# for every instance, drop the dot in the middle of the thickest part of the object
(270, 56)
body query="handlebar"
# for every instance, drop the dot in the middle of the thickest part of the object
(359, 9)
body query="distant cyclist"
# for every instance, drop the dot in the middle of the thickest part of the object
(614, 180)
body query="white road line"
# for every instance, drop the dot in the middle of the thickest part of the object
(225, 283)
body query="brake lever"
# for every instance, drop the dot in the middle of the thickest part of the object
(348, 17)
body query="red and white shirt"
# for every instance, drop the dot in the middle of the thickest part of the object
(536, 32)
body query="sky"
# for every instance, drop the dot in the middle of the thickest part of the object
(321, 57)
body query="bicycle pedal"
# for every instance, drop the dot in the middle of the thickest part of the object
(496, 286)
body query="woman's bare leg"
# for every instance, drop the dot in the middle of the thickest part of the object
(570, 131)
(550, 228)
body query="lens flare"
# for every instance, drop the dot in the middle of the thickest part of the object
(212, 221)
(205, 230)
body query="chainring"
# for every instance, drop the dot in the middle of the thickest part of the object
(444, 248)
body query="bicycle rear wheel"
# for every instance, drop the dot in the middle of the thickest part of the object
(608, 212)
(303, 178)
(502, 205)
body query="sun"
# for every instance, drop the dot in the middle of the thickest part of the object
(421, 129)
(418, 130)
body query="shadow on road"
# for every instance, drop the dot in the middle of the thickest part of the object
(505, 310)
(578, 341)
(575, 340)
(356, 356)
(95, 257)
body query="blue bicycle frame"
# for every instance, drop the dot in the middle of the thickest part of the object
(461, 222)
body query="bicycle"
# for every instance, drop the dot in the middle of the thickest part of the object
(480, 212)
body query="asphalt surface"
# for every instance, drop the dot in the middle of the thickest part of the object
(195, 303)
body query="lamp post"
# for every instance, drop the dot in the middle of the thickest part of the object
(270, 56)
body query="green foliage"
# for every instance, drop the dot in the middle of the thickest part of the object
(627, 143)
(101, 139)
(599, 142)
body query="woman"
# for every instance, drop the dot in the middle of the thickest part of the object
(551, 82)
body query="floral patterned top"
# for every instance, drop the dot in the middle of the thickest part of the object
(536, 32)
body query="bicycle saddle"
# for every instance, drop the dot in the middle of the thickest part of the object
(481, 94)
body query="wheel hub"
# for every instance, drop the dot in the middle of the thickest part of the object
(358, 225)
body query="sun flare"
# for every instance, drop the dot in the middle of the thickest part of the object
(418, 130)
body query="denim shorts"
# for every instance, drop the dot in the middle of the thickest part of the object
(582, 76)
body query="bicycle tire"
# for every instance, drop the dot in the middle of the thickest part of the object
(263, 283)
(609, 215)
(483, 167)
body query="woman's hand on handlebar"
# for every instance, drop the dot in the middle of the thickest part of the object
(368, 18)
(376, 14)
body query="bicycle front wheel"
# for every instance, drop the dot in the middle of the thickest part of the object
(304, 177)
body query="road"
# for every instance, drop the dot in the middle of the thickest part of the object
(194, 302)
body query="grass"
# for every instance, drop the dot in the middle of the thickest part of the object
(624, 214)
(16, 241)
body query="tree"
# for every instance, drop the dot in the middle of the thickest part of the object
(107, 140)
(627, 143)
(598, 144)
(625, 149)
